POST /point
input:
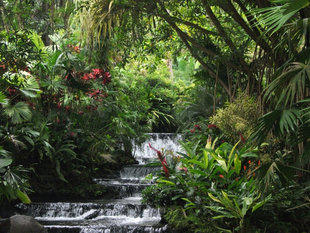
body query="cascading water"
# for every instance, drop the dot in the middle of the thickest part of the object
(122, 215)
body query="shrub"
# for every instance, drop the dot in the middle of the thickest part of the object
(237, 118)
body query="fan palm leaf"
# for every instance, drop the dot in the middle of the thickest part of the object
(291, 85)
(280, 121)
(276, 16)
(18, 113)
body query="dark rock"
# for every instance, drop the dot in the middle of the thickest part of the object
(4, 225)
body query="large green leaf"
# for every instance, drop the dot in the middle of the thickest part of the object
(276, 16)
(5, 162)
(18, 113)
(23, 197)
(3, 99)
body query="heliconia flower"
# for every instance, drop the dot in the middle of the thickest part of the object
(221, 176)
(211, 126)
(161, 159)
(165, 169)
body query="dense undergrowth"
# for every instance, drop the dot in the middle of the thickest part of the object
(81, 80)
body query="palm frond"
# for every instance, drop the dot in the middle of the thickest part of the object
(18, 113)
(291, 85)
(98, 18)
(279, 121)
(276, 16)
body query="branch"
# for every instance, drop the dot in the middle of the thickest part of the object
(229, 8)
(196, 26)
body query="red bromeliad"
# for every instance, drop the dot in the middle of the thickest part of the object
(161, 159)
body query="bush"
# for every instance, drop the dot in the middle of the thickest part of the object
(237, 118)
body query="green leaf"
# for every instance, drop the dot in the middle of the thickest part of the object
(5, 162)
(206, 158)
(237, 163)
(261, 203)
(166, 182)
(230, 157)
(23, 197)
(3, 99)
(59, 173)
(214, 198)
(18, 113)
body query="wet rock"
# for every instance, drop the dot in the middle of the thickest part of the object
(21, 224)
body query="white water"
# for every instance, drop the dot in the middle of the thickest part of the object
(160, 141)
(123, 214)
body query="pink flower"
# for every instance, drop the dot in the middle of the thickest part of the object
(221, 176)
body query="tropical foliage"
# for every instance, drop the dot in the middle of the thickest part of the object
(233, 71)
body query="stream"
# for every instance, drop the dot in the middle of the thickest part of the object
(123, 214)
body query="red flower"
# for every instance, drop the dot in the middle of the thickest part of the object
(72, 134)
(211, 126)
(97, 71)
(197, 127)
(258, 163)
(2, 66)
(76, 49)
(161, 159)
(92, 76)
(59, 105)
(242, 138)
(67, 108)
(192, 130)
(249, 162)
(107, 75)
(11, 90)
(221, 176)
(85, 77)
(244, 167)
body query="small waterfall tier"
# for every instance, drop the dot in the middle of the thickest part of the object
(160, 141)
(124, 214)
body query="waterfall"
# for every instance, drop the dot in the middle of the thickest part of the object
(123, 214)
